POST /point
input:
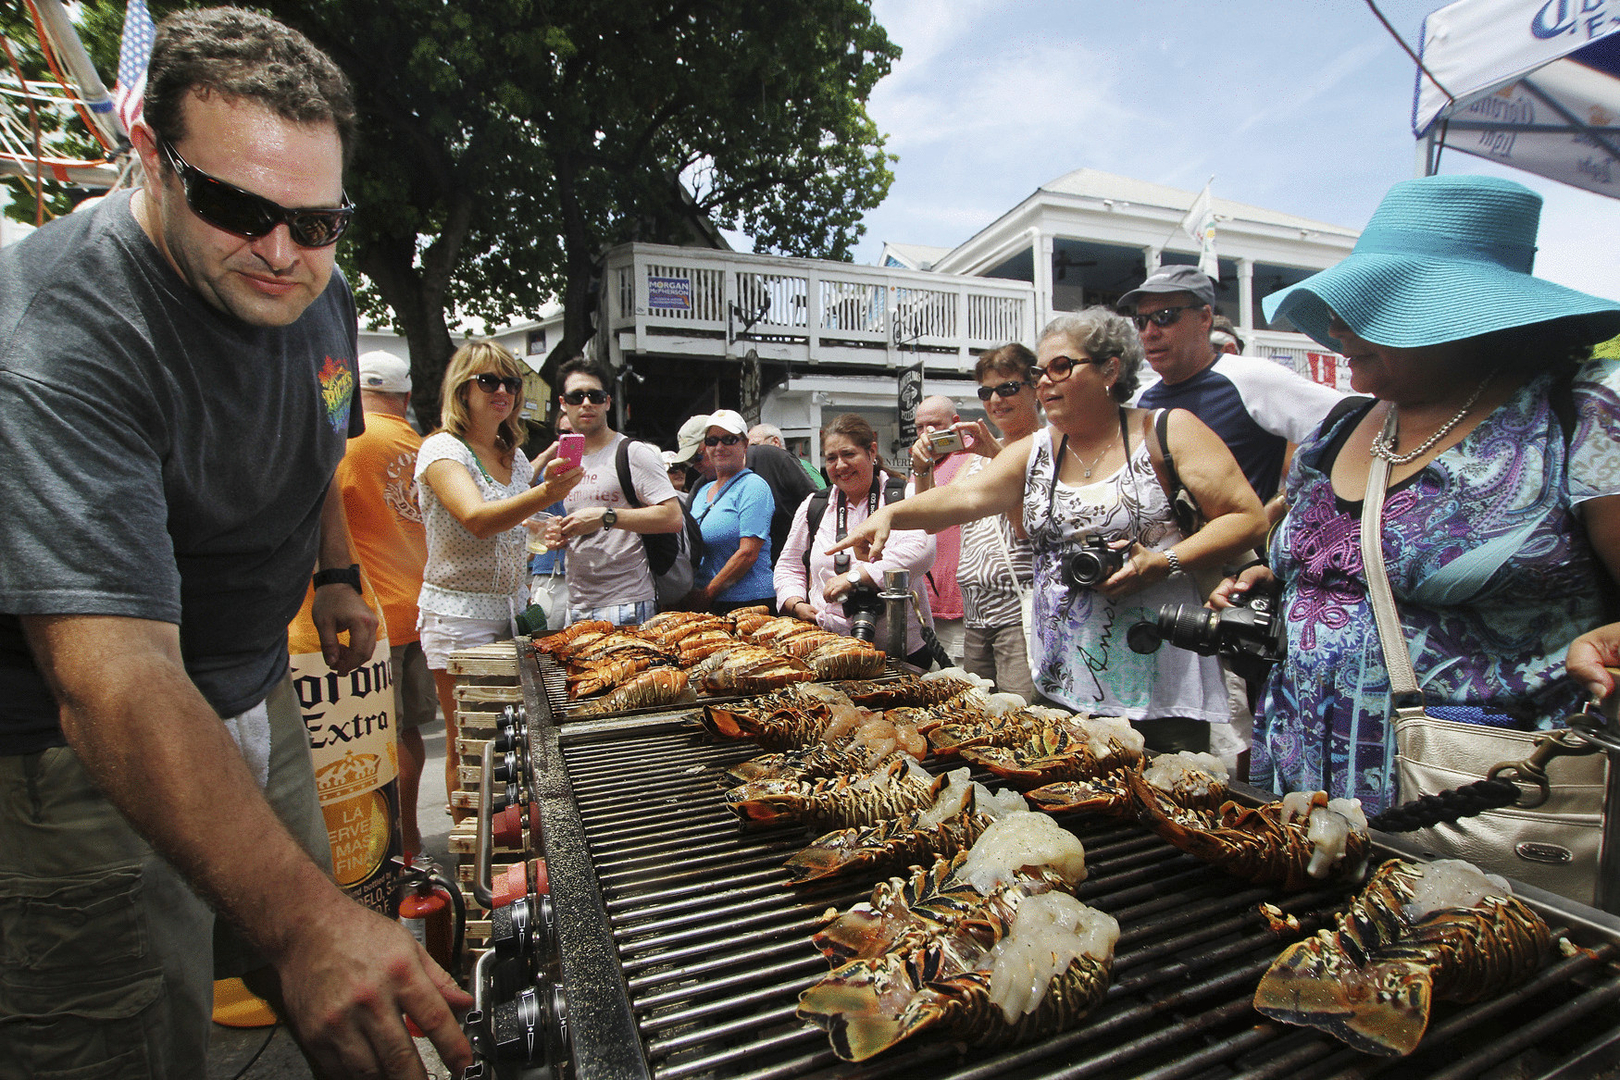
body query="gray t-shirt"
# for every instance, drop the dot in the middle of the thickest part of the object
(162, 460)
(610, 566)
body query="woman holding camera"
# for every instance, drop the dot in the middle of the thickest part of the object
(1108, 552)
(1500, 530)
(815, 586)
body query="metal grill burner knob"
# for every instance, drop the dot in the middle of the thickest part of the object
(532, 1023)
(525, 930)
(513, 725)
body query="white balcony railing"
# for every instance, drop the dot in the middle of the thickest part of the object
(673, 301)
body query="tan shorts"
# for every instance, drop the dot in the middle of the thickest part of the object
(416, 703)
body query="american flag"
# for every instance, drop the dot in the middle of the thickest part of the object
(133, 54)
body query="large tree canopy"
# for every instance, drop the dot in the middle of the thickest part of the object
(506, 145)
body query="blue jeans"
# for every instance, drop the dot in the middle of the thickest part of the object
(617, 614)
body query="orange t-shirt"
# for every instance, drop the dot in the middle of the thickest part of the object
(377, 478)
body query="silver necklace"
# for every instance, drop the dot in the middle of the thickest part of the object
(1094, 461)
(1385, 448)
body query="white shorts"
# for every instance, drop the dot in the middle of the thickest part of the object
(442, 635)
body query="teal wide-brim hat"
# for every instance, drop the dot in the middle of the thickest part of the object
(1443, 258)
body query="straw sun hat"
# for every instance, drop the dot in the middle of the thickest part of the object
(1443, 258)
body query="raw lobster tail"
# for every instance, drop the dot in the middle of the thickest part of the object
(1030, 965)
(650, 689)
(840, 801)
(1302, 840)
(1416, 933)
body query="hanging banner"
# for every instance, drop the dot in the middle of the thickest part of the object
(911, 387)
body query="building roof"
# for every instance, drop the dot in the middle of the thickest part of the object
(913, 256)
(1092, 183)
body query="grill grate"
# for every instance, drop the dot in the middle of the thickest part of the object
(683, 953)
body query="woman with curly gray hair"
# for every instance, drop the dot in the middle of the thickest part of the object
(1108, 551)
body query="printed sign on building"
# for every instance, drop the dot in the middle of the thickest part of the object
(669, 294)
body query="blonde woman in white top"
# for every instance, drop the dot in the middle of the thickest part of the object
(473, 484)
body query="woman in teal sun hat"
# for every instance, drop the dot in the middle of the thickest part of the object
(1501, 524)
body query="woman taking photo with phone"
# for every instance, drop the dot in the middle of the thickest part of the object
(473, 488)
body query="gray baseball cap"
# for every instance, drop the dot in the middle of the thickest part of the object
(1173, 279)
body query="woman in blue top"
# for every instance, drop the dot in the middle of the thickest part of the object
(734, 511)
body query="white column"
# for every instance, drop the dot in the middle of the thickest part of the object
(1246, 297)
(1040, 246)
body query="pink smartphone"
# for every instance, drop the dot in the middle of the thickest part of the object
(570, 448)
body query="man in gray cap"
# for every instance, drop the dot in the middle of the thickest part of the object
(1258, 407)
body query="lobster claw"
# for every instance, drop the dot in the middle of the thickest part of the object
(1533, 769)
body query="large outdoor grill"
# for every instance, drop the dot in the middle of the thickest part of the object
(680, 952)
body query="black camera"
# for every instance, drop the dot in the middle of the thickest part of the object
(862, 607)
(1251, 631)
(1093, 564)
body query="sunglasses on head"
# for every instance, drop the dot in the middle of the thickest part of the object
(1163, 317)
(1061, 367)
(717, 440)
(226, 206)
(490, 383)
(580, 397)
(1005, 390)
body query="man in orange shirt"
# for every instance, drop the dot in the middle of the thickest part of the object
(376, 477)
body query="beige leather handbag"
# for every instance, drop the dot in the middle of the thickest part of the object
(1555, 846)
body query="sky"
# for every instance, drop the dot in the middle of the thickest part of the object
(1300, 106)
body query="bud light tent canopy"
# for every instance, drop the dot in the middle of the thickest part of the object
(1534, 84)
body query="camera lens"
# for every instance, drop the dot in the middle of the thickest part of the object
(1086, 570)
(1190, 627)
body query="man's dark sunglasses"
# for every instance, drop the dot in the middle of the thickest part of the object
(716, 440)
(1061, 367)
(1005, 390)
(489, 383)
(580, 397)
(226, 206)
(1163, 317)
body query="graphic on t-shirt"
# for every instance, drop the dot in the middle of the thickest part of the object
(337, 393)
(399, 492)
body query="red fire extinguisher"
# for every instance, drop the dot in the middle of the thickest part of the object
(432, 909)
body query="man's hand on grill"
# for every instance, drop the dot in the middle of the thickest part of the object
(348, 977)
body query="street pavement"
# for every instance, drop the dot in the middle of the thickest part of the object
(270, 1053)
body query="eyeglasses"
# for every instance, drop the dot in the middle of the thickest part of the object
(717, 440)
(1163, 317)
(1061, 367)
(580, 397)
(489, 383)
(1005, 390)
(226, 206)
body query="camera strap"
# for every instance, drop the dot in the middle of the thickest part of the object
(1051, 528)
(842, 527)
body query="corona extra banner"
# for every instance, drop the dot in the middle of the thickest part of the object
(352, 735)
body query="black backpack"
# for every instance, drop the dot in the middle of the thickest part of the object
(894, 489)
(662, 548)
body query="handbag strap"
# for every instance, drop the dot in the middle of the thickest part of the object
(1406, 697)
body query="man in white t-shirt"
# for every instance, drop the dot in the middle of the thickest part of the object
(608, 575)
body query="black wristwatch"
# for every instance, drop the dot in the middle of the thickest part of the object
(609, 517)
(351, 576)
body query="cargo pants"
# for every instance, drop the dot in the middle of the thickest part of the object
(107, 957)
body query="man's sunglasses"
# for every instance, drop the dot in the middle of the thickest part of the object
(1005, 390)
(1165, 316)
(580, 397)
(226, 206)
(716, 440)
(489, 383)
(1061, 367)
